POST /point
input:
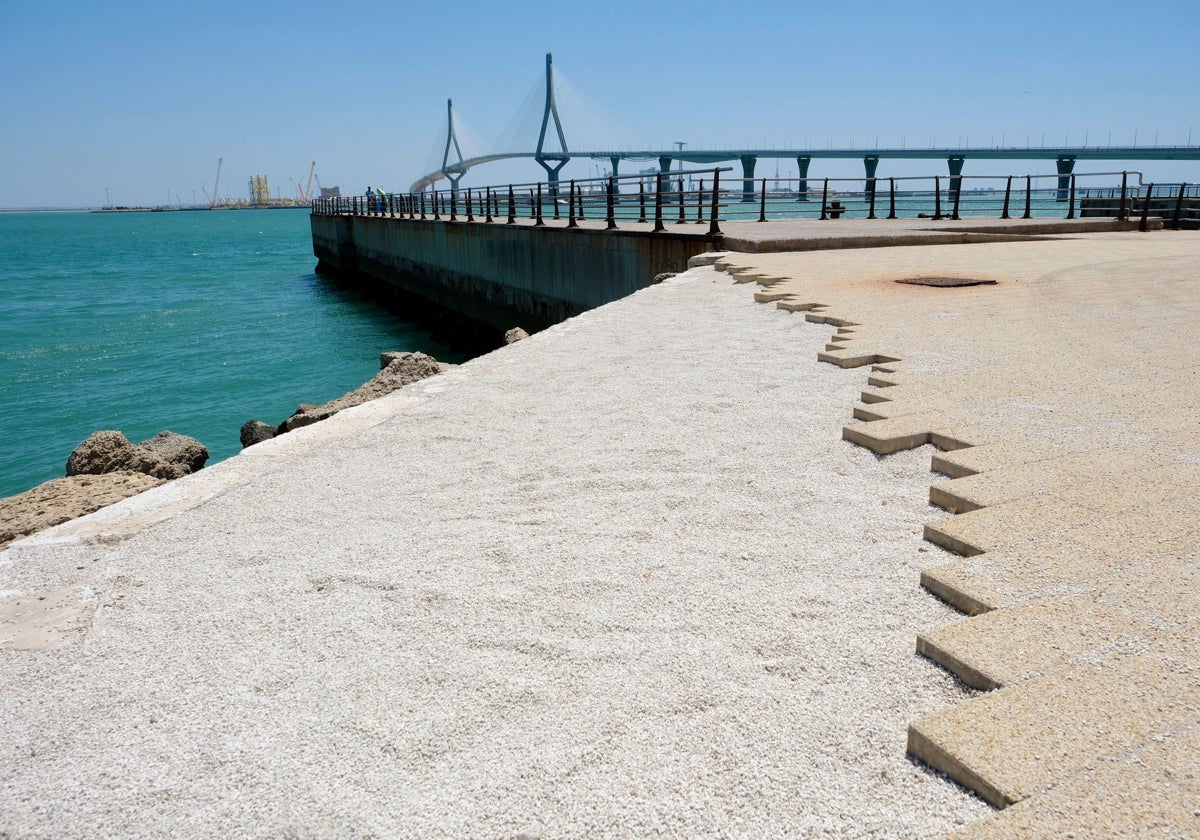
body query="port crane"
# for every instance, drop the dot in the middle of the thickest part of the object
(305, 193)
(212, 201)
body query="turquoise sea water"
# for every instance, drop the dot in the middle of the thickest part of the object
(190, 321)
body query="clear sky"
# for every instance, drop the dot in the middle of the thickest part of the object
(142, 98)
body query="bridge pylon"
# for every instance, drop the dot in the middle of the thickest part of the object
(452, 169)
(551, 162)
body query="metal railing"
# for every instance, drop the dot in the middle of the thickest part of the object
(698, 197)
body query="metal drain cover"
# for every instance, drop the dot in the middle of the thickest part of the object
(946, 282)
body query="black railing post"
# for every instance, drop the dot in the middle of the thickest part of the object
(1143, 227)
(538, 215)
(487, 206)
(422, 205)
(612, 215)
(437, 205)
(1028, 197)
(713, 228)
(454, 205)
(957, 194)
(641, 201)
(512, 206)
(571, 223)
(1123, 211)
(1007, 195)
(533, 213)
(762, 202)
(658, 201)
(1179, 206)
(891, 198)
(825, 201)
(700, 204)
(554, 199)
(1071, 199)
(470, 212)
(681, 220)
(937, 196)
(579, 199)
(871, 208)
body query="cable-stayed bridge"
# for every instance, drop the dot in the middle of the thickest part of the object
(587, 135)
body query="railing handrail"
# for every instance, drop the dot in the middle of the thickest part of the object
(676, 202)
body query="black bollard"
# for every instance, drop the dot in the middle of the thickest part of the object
(825, 201)
(891, 198)
(713, 228)
(658, 208)
(762, 202)
(612, 219)
(1007, 195)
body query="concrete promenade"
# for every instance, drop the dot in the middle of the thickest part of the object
(644, 573)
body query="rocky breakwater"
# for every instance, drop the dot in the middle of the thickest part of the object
(396, 371)
(102, 470)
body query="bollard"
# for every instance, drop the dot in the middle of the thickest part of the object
(762, 202)
(1146, 208)
(538, 215)
(612, 219)
(658, 214)
(512, 206)
(1071, 199)
(1123, 211)
(937, 196)
(700, 204)
(891, 198)
(571, 223)
(1179, 206)
(641, 201)
(713, 228)
(1007, 195)
(825, 201)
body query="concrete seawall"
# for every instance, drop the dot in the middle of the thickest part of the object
(497, 275)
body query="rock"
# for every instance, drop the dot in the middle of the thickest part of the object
(61, 499)
(514, 335)
(666, 275)
(256, 431)
(166, 455)
(181, 450)
(97, 453)
(398, 370)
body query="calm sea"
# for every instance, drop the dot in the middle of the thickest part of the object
(190, 321)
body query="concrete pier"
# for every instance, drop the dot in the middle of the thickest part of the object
(498, 275)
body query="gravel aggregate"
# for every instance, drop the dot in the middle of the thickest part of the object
(618, 579)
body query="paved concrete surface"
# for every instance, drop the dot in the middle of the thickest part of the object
(1066, 400)
(620, 579)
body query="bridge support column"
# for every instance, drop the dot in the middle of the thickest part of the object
(956, 167)
(748, 162)
(802, 164)
(664, 166)
(616, 162)
(552, 171)
(870, 164)
(1066, 165)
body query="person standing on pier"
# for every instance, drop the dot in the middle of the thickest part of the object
(370, 200)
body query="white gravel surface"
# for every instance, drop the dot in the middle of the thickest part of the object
(619, 579)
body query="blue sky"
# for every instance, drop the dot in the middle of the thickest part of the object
(141, 98)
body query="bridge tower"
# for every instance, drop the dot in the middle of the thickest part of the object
(550, 161)
(452, 169)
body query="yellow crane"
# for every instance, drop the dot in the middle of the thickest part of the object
(306, 193)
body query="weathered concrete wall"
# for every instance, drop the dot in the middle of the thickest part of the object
(499, 275)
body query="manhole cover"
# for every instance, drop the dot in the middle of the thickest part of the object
(946, 282)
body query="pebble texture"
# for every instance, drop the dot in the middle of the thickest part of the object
(620, 578)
